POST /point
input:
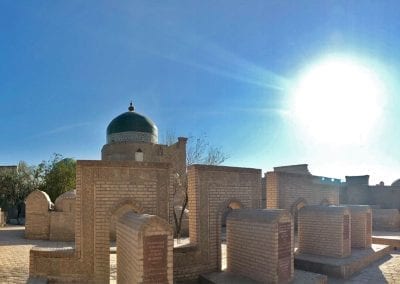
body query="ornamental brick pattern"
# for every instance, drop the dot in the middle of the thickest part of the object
(132, 136)
(325, 230)
(260, 244)
(361, 226)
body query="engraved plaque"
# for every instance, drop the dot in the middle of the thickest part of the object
(155, 259)
(284, 250)
(346, 227)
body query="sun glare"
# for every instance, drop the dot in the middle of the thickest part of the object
(338, 100)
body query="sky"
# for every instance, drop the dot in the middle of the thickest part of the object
(241, 73)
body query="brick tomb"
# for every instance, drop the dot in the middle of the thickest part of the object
(361, 226)
(336, 240)
(260, 244)
(144, 246)
(325, 230)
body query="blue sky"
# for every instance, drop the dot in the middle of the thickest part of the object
(223, 68)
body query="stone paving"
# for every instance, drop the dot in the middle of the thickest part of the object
(14, 261)
(385, 270)
(14, 253)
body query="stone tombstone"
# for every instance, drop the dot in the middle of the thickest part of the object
(361, 226)
(325, 230)
(37, 224)
(260, 244)
(144, 249)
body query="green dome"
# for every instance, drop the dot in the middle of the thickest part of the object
(131, 126)
(131, 121)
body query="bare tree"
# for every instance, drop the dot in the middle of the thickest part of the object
(198, 151)
(169, 138)
(215, 156)
(180, 202)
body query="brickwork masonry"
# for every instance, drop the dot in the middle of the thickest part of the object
(325, 230)
(260, 244)
(144, 247)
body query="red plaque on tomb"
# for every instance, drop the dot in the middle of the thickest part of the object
(155, 259)
(284, 250)
(346, 227)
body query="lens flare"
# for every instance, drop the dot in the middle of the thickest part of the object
(338, 100)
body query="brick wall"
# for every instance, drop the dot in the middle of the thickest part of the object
(272, 194)
(62, 219)
(47, 221)
(385, 197)
(386, 219)
(355, 194)
(62, 226)
(144, 248)
(325, 230)
(361, 226)
(102, 187)
(125, 151)
(57, 265)
(285, 189)
(248, 230)
(211, 190)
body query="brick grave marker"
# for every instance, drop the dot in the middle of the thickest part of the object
(144, 249)
(325, 230)
(361, 226)
(260, 244)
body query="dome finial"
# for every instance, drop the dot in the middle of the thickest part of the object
(131, 108)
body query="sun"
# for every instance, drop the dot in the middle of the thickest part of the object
(337, 100)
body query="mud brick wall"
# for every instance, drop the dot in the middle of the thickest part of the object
(260, 244)
(325, 230)
(361, 226)
(144, 249)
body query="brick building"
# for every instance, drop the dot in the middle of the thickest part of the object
(134, 137)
